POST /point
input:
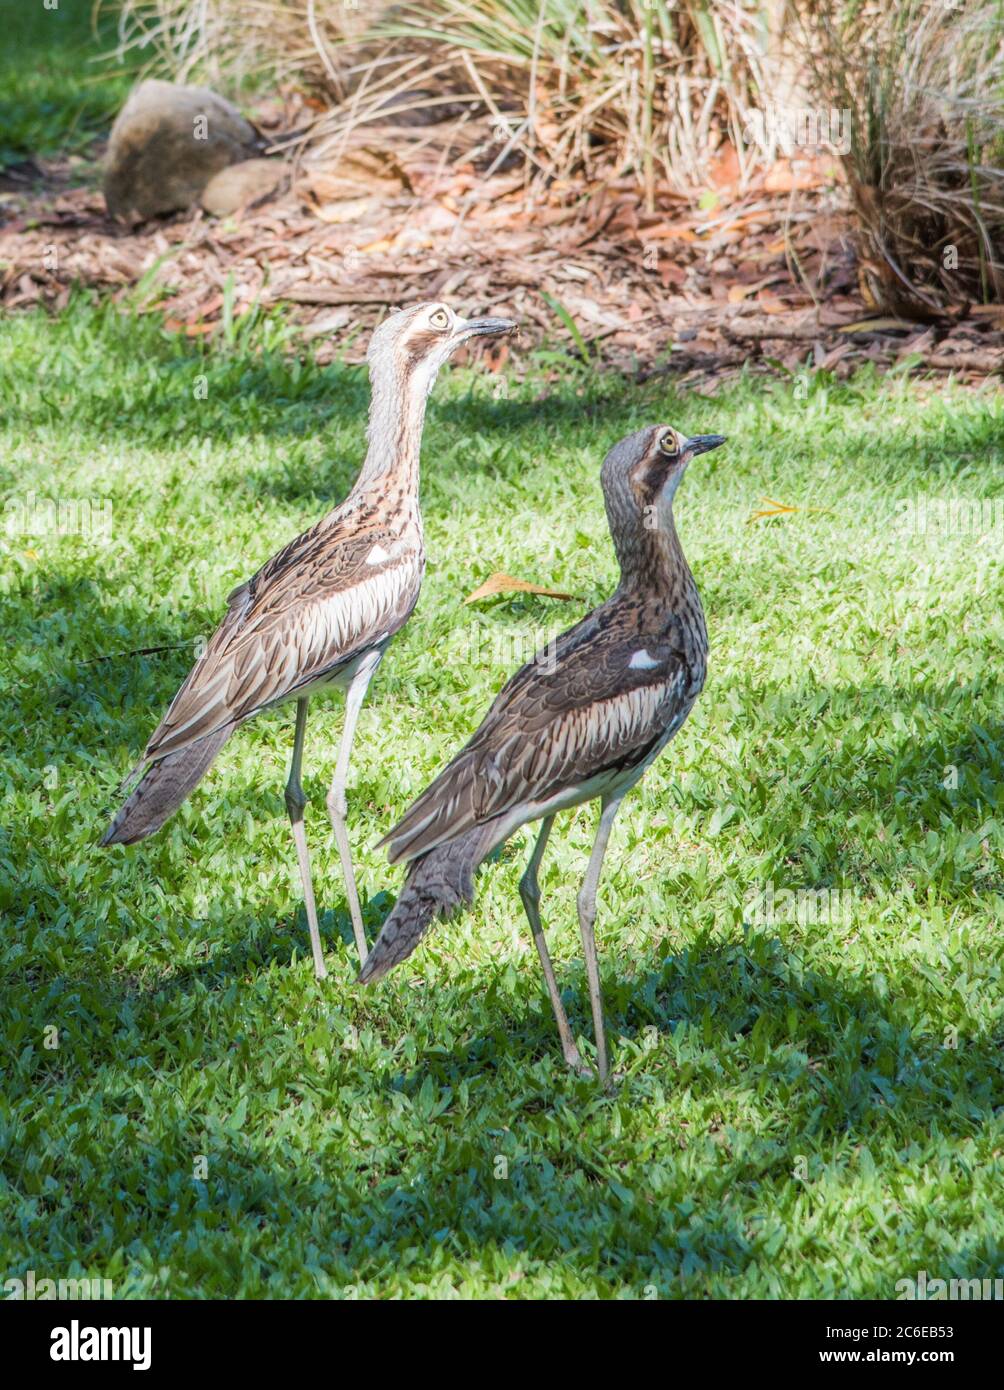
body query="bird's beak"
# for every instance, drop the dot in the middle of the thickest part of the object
(485, 328)
(701, 443)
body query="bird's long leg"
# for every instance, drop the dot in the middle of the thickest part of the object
(295, 802)
(337, 805)
(587, 916)
(529, 891)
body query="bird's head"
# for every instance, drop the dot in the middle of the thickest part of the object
(411, 345)
(642, 472)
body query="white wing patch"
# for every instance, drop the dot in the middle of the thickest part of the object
(642, 661)
(353, 614)
(377, 555)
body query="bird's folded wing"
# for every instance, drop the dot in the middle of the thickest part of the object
(323, 599)
(600, 707)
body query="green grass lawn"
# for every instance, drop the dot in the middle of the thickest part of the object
(58, 87)
(809, 1107)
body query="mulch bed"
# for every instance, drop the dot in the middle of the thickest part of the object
(766, 278)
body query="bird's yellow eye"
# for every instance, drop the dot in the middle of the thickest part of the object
(668, 444)
(440, 319)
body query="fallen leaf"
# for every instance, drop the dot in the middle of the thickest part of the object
(724, 170)
(190, 330)
(207, 307)
(671, 274)
(787, 177)
(505, 584)
(739, 292)
(662, 231)
(345, 210)
(773, 508)
(757, 218)
(367, 169)
(874, 325)
(378, 247)
(770, 303)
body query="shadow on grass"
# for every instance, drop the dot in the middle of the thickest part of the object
(742, 982)
(852, 1057)
(852, 1067)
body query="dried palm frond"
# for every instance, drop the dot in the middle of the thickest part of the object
(923, 86)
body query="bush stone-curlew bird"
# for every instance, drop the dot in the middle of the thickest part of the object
(321, 612)
(583, 724)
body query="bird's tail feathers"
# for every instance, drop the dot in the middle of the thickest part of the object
(445, 803)
(163, 788)
(129, 782)
(436, 886)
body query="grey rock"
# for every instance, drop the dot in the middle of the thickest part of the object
(167, 143)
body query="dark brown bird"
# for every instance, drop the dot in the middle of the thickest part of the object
(321, 612)
(583, 723)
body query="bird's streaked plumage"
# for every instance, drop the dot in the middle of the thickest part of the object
(582, 724)
(300, 620)
(322, 610)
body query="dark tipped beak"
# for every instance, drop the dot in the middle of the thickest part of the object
(701, 443)
(488, 328)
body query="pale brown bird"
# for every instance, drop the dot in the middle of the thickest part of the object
(583, 723)
(321, 612)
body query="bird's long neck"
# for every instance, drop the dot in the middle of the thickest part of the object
(655, 575)
(394, 435)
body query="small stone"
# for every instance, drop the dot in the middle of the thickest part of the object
(167, 143)
(239, 185)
